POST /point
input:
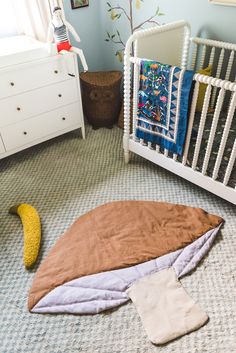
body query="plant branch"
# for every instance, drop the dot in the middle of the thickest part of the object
(112, 38)
(117, 41)
(149, 20)
(118, 7)
(131, 16)
(121, 41)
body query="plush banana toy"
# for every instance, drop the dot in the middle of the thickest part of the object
(32, 231)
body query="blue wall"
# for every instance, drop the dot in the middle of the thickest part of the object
(212, 21)
(87, 23)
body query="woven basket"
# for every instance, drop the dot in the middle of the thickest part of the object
(101, 94)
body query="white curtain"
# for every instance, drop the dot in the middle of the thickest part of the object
(7, 20)
(33, 16)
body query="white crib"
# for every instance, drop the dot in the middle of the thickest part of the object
(171, 44)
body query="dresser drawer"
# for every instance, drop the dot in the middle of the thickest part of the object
(34, 75)
(27, 105)
(2, 148)
(33, 129)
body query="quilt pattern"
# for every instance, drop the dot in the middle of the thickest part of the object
(163, 104)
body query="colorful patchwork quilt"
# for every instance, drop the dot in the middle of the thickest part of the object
(163, 105)
(97, 264)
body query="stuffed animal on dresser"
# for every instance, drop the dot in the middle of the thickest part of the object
(59, 30)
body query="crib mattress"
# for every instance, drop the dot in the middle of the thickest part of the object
(215, 147)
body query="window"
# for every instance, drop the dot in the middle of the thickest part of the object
(8, 26)
(26, 17)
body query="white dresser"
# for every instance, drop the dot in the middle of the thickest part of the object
(38, 101)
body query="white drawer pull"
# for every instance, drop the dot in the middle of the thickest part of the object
(25, 133)
(12, 84)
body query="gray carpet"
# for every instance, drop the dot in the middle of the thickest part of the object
(63, 179)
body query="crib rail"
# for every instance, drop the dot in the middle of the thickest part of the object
(197, 165)
(199, 57)
(219, 55)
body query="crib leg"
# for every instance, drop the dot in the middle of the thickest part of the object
(83, 132)
(126, 155)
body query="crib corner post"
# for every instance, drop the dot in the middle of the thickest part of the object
(127, 93)
(126, 146)
(186, 45)
(126, 156)
(127, 88)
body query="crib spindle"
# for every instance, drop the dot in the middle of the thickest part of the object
(194, 56)
(190, 123)
(203, 56)
(218, 72)
(201, 126)
(230, 164)
(212, 56)
(213, 129)
(158, 148)
(127, 89)
(135, 90)
(225, 136)
(175, 157)
(166, 153)
(185, 53)
(230, 64)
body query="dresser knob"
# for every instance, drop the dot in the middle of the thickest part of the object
(12, 84)
(18, 108)
(63, 118)
(55, 72)
(25, 133)
(59, 95)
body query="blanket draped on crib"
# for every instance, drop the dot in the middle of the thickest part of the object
(163, 105)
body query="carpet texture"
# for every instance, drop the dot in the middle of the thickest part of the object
(65, 178)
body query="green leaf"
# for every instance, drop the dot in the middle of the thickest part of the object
(119, 55)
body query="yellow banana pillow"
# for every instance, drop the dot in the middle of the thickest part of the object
(32, 231)
(202, 87)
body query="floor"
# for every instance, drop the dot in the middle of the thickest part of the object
(63, 179)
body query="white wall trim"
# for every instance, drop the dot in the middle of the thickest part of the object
(223, 2)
